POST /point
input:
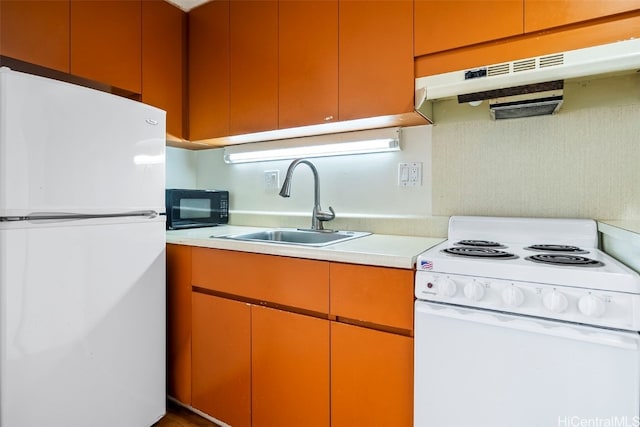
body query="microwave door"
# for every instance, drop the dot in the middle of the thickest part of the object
(196, 208)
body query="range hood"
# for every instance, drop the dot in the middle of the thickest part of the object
(530, 86)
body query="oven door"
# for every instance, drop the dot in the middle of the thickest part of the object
(487, 369)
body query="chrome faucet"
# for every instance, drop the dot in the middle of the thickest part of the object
(318, 215)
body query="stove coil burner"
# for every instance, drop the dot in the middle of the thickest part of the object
(480, 244)
(487, 253)
(565, 260)
(557, 248)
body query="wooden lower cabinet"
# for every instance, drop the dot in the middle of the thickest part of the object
(179, 322)
(290, 369)
(265, 355)
(371, 377)
(221, 360)
(257, 366)
(378, 295)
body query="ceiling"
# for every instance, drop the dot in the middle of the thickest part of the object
(187, 5)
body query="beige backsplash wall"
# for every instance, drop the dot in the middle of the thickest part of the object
(582, 162)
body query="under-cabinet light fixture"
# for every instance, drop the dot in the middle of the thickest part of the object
(246, 153)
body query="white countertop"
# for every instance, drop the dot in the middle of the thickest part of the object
(619, 225)
(375, 249)
(621, 240)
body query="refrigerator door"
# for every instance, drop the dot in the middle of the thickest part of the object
(83, 323)
(69, 149)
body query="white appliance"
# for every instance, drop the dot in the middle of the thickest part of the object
(622, 56)
(527, 86)
(82, 262)
(524, 322)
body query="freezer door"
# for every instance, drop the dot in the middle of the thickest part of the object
(66, 148)
(487, 369)
(82, 324)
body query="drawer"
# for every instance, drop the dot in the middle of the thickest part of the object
(292, 282)
(379, 295)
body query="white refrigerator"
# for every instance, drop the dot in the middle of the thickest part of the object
(82, 257)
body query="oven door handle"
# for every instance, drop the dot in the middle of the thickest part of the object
(594, 335)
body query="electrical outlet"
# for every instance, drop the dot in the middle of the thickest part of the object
(410, 174)
(272, 180)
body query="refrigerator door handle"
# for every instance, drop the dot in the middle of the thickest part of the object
(41, 216)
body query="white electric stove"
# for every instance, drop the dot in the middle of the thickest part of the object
(514, 311)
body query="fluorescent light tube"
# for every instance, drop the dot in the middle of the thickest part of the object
(244, 153)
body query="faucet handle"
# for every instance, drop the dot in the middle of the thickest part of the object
(326, 216)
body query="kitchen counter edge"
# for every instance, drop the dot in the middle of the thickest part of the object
(621, 239)
(375, 249)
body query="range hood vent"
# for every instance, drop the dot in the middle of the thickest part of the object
(536, 99)
(516, 108)
(528, 75)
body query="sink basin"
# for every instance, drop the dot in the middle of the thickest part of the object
(299, 237)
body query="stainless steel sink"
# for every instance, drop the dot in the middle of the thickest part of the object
(298, 237)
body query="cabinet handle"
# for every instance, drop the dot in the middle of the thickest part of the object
(326, 119)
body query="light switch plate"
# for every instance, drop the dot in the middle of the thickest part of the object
(410, 174)
(272, 180)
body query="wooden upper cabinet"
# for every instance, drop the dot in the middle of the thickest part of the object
(179, 322)
(442, 25)
(596, 32)
(375, 58)
(164, 61)
(543, 14)
(209, 70)
(289, 369)
(308, 62)
(106, 42)
(253, 66)
(36, 32)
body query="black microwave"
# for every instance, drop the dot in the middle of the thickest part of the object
(196, 208)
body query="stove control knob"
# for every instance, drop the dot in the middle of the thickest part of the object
(513, 296)
(474, 291)
(591, 305)
(446, 287)
(555, 301)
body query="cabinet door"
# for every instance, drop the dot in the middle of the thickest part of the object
(106, 42)
(36, 32)
(542, 14)
(376, 58)
(308, 58)
(209, 70)
(371, 378)
(179, 322)
(164, 61)
(254, 66)
(442, 25)
(221, 375)
(290, 369)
